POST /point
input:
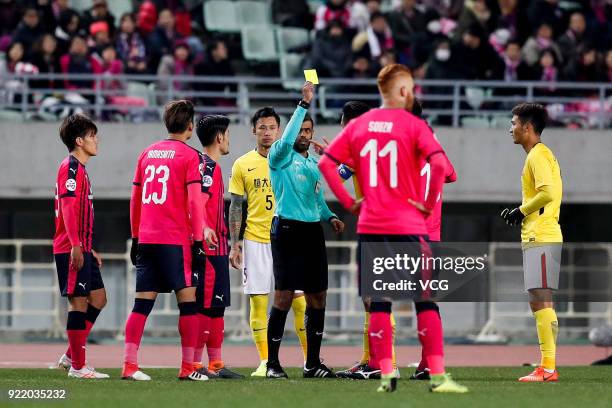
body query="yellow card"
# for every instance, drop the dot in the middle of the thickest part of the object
(311, 76)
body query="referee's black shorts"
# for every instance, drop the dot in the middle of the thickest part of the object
(299, 255)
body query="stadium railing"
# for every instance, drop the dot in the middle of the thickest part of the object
(451, 102)
(30, 302)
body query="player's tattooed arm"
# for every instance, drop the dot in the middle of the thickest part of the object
(235, 223)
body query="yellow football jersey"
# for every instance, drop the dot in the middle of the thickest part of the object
(542, 169)
(251, 176)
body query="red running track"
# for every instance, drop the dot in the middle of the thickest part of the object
(33, 355)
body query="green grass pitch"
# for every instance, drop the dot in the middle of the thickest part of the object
(489, 387)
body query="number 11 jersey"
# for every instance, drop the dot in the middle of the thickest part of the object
(164, 171)
(385, 148)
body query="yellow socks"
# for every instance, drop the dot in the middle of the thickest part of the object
(547, 325)
(365, 356)
(258, 320)
(299, 310)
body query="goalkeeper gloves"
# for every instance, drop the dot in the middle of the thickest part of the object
(512, 217)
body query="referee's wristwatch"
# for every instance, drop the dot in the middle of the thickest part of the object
(304, 104)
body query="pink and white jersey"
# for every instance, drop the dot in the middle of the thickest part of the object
(434, 221)
(385, 147)
(212, 184)
(164, 170)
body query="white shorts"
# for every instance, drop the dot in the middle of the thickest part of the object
(541, 266)
(257, 268)
(257, 275)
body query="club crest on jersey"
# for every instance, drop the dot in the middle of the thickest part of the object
(71, 184)
(207, 181)
(201, 168)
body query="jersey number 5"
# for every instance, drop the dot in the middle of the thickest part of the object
(163, 173)
(390, 149)
(269, 202)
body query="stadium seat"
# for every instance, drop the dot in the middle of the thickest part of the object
(253, 13)
(118, 8)
(475, 122)
(313, 5)
(289, 38)
(81, 5)
(259, 44)
(222, 16)
(11, 116)
(324, 110)
(291, 71)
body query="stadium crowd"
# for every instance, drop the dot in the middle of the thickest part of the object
(509, 40)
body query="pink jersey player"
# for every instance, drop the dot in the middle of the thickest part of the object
(164, 171)
(385, 147)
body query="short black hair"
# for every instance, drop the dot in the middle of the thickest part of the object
(178, 115)
(377, 14)
(265, 112)
(353, 109)
(308, 118)
(75, 126)
(209, 126)
(533, 113)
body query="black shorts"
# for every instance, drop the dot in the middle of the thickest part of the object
(214, 289)
(424, 248)
(164, 268)
(78, 283)
(299, 255)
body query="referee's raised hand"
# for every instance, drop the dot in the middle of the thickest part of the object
(307, 91)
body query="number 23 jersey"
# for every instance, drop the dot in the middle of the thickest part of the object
(164, 171)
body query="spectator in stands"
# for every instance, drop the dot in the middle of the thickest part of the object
(499, 39)
(586, 67)
(162, 39)
(515, 68)
(441, 65)
(375, 39)
(388, 57)
(68, 27)
(547, 70)
(425, 41)
(29, 30)
(405, 23)
(99, 38)
(78, 61)
(333, 10)
(573, 39)
(514, 18)
(131, 47)
(475, 58)
(10, 89)
(9, 19)
(331, 52)
(147, 18)
(216, 63)
(361, 11)
(109, 67)
(177, 64)
(99, 12)
(292, 13)
(475, 12)
(546, 11)
(58, 7)
(46, 59)
(541, 40)
(608, 67)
